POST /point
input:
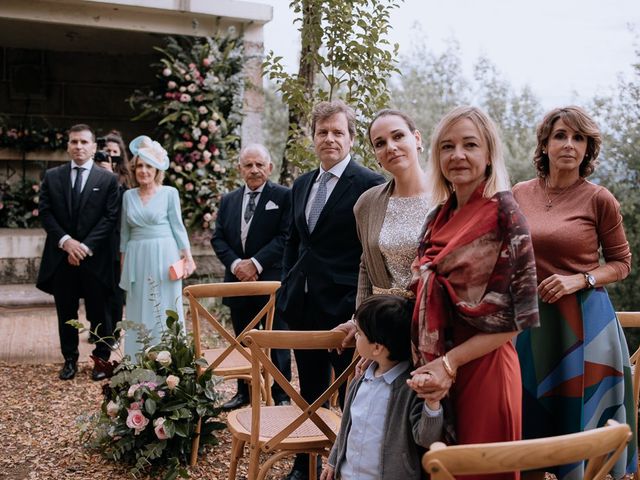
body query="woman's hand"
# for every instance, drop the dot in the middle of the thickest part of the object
(553, 288)
(348, 328)
(189, 267)
(431, 382)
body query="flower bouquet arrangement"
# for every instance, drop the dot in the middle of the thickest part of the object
(197, 104)
(150, 409)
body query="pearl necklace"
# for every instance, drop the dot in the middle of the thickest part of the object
(550, 199)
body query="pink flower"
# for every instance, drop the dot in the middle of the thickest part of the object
(202, 110)
(185, 98)
(207, 155)
(189, 187)
(204, 139)
(192, 66)
(171, 85)
(196, 155)
(188, 166)
(36, 187)
(207, 217)
(35, 212)
(187, 78)
(137, 421)
(206, 62)
(199, 97)
(135, 406)
(132, 390)
(192, 87)
(188, 144)
(166, 72)
(158, 425)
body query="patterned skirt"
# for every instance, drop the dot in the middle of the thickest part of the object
(576, 374)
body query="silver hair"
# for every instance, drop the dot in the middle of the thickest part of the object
(255, 148)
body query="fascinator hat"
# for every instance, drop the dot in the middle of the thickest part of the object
(150, 152)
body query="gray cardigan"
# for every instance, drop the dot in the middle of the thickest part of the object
(370, 211)
(408, 432)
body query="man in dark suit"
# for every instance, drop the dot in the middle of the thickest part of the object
(251, 228)
(78, 209)
(322, 253)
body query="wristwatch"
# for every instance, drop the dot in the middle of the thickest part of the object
(590, 279)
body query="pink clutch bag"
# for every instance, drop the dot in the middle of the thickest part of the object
(176, 270)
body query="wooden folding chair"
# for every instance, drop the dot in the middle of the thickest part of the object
(233, 360)
(632, 320)
(600, 446)
(280, 431)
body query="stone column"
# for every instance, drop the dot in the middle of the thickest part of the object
(253, 102)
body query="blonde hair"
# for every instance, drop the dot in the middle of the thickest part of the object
(158, 178)
(497, 177)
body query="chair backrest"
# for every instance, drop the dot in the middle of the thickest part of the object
(258, 342)
(600, 446)
(632, 320)
(195, 293)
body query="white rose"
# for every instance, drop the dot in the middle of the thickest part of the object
(172, 381)
(112, 408)
(164, 358)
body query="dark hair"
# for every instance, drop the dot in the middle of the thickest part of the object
(123, 168)
(580, 121)
(325, 110)
(83, 127)
(390, 112)
(386, 319)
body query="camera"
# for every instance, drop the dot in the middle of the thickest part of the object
(101, 156)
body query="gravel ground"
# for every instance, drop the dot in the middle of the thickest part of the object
(39, 437)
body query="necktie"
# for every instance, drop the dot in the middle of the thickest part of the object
(251, 206)
(77, 189)
(319, 201)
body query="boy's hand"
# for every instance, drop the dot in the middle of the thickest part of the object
(433, 405)
(327, 473)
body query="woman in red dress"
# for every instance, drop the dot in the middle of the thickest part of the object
(476, 284)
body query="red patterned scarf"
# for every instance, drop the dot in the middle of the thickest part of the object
(476, 265)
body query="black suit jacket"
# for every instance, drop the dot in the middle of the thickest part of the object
(266, 235)
(96, 221)
(328, 259)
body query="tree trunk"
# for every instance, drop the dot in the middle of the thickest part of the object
(310, 35)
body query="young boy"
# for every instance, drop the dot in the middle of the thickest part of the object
(384, 424)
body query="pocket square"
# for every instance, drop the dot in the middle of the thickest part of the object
(271, 206)
(96, 189)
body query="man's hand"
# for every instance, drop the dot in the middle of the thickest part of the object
(72, 261)
(74, 249)
(246, 271)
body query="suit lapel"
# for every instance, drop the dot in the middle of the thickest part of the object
(92, 182)
(306, 189)
(235, 217)
(65, 181)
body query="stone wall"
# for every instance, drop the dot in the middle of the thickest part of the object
(21, 249)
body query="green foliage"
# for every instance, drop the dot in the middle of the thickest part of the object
(197, 104)
(345, 54)
(19, 204)
(433, 83)
(151, 408)
(619, 171)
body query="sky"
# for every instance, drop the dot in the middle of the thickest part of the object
(565, 50)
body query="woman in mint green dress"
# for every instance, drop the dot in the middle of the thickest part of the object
(153, 237)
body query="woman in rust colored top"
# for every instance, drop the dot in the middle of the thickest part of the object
(575, 367)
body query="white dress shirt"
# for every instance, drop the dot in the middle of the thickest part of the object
(87, 166)
(336, 171)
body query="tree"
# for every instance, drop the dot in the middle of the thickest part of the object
(515, 113)
(345, 54)
(619, 171)
(430, 85)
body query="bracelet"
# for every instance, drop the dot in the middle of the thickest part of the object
(447, 367)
